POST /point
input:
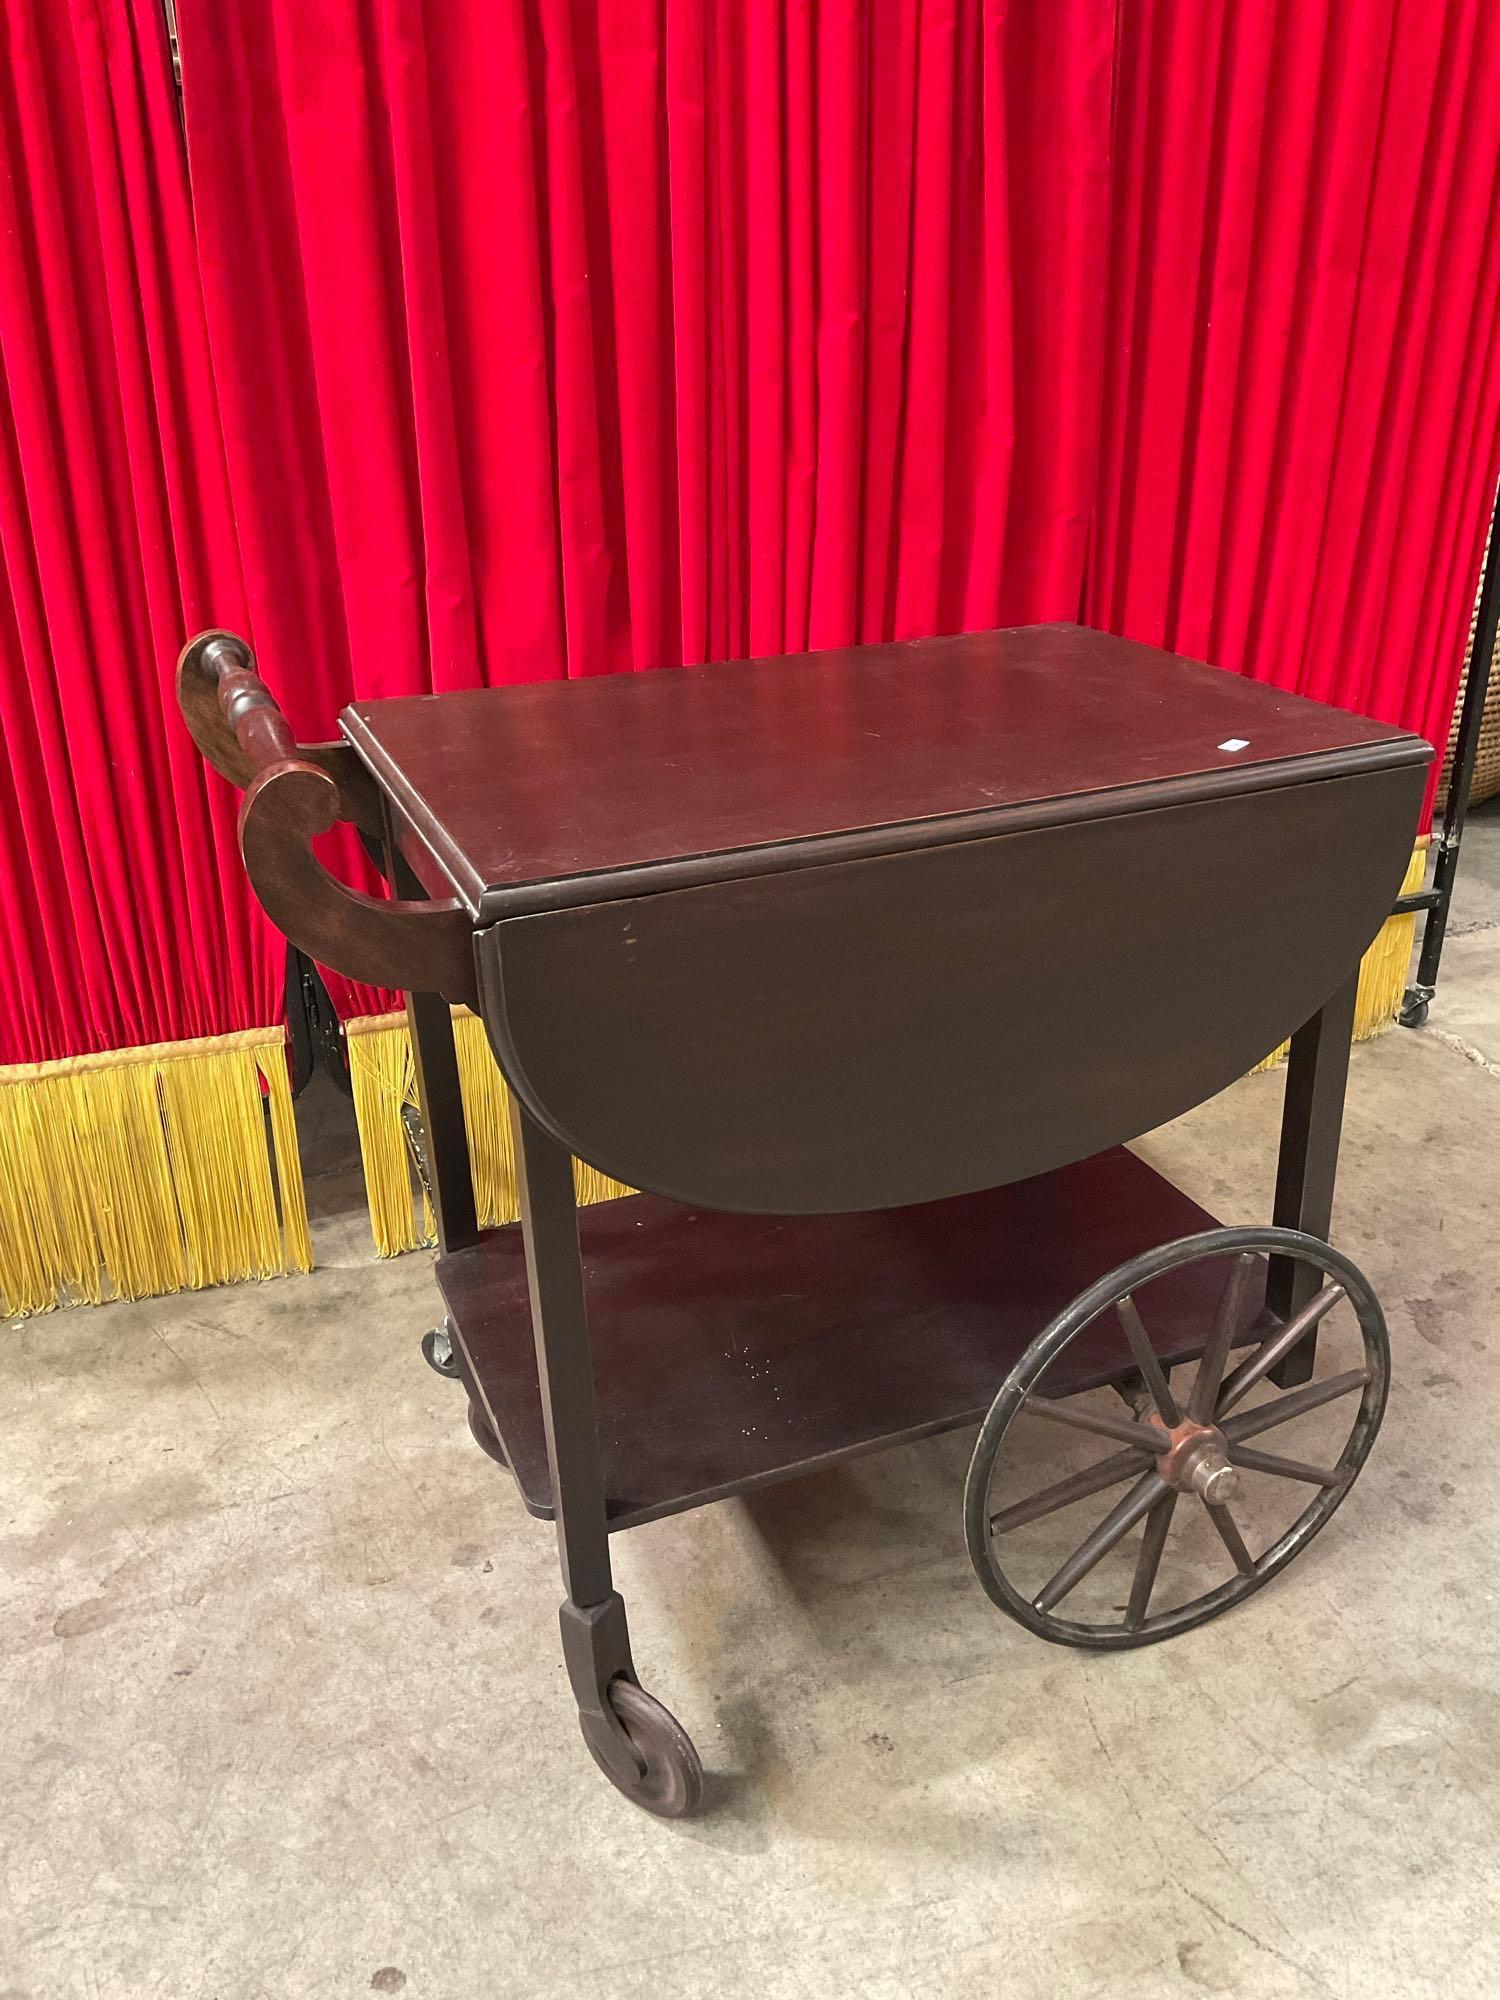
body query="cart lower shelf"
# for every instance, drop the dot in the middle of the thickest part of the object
(734, 1350)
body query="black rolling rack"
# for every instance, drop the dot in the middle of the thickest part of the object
(1435, 900)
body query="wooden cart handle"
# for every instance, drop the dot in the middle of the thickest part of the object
(293, 792)
(234, 719)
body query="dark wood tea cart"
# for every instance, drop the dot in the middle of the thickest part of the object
(864, 965)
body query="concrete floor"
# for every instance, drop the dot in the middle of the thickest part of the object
(283, 1715)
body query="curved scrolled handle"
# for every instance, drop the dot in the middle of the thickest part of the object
(293, 792)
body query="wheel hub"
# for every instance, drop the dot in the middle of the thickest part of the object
(1197, 1461)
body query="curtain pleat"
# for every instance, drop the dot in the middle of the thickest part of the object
(645, 336)
(127, 919)
(1300, 429)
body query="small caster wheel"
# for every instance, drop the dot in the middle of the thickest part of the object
(484, 1436)
(1415, 1015)
(437, 1352)
(671, 1786)
(1187, 1452)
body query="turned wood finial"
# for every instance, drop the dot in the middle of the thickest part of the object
(293, 792)
(202, 666)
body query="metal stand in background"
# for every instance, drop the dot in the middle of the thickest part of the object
(313, 1030)
(1436, 900)
(169, 10)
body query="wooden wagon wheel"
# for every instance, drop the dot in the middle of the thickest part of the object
(1186, 1447)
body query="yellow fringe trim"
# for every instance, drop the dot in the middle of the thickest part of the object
(1383, 969)
(146, 1170)
(383, 1078)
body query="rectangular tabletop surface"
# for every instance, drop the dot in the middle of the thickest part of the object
(568, 791)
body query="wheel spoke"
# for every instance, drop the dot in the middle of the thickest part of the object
(1283, 1468)
(1147, 1360)
(1226, 1326)
(1158, 1524)
(1280, 1344)
(1145, 1437)
(1115, 1526)
(1232, 1539)
(1284, 1408)
(1108, 1472)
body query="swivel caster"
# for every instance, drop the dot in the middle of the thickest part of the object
(1414, 1004)
(437, 1352)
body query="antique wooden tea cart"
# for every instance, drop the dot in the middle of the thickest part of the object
(865, 965)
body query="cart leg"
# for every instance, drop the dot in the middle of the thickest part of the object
(429, 1019)
(635, 1741)
(1317, 1071)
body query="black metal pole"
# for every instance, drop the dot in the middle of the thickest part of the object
(169, 11)
(298, 1021)
(1437, 901)
(317, 1039)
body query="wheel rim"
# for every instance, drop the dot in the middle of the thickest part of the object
(1192, 1447)
(484, 1436)
(671, 1786)
(438, 1352)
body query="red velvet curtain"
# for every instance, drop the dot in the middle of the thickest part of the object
(575, 338)
(587, 336)
(1301, 423)
(124, 914)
